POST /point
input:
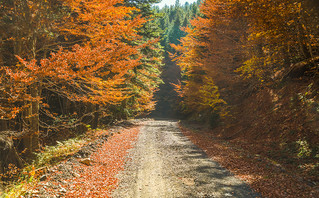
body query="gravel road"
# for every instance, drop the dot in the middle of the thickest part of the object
(164, 163)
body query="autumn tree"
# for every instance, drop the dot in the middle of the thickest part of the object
(143, 80)
(208, 57)
(261, 40)
(257, 63)
(77, 52)
(282, 38)
(26, 27)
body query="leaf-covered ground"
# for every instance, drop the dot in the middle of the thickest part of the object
(89, 176)
(263, 175)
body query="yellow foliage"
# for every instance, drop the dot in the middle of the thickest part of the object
(209, 94)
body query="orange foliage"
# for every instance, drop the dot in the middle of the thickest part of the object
(205, 57)
(258, 39)
(98, 19)
(93, 71)
(280, 33)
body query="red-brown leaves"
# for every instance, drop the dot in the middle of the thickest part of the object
(264, 177)
(97, 178)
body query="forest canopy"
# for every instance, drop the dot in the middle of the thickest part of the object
(66, 65)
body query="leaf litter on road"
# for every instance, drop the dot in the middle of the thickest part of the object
(95, 177)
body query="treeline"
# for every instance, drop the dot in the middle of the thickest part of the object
(172, 21)
(68, 65)
(253, 63)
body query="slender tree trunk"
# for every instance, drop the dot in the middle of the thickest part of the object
(66, 106)
(95, 120)
(8, 153)
(3, 125)
(31, 140)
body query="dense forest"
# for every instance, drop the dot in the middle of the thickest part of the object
(248, 70)
(172, 20)
(67, 66)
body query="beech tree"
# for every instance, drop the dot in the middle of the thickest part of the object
(28, 25)
(238, 47)
(77, 51)
(281, 33)
(207, 59)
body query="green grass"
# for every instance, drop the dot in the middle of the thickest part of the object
(50, 155)
(53, 154)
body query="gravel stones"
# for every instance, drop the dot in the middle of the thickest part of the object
(164, 163)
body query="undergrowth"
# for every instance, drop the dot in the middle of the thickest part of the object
(27, 177)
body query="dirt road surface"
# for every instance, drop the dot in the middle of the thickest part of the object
(165, 164)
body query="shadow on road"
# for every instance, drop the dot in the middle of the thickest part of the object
(209, 178)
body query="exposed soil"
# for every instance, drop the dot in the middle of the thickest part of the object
(164, 163)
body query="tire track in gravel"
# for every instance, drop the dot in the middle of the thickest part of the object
(164, 163)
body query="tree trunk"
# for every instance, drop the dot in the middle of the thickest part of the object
(8, 154)
(95, 120)
(31, 140)
(3, 125)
